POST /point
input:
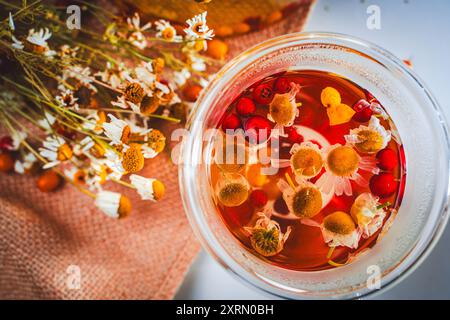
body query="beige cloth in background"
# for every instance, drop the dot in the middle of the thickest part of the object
(46, 238)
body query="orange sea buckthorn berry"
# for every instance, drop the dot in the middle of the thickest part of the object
(48, 181)
(217, 49)
(274, 17)
(6, 162)
(223, 31)
(191, 92)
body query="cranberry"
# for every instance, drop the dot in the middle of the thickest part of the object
(363, 111)
(258, 198)
(387, 159)
(231, 122)
(293, 136)
(282, 85)
(383, 184)
(6, 143)
(245, 106)
(263, 94)
(257, 129)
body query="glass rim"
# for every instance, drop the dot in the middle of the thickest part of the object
(360, 46)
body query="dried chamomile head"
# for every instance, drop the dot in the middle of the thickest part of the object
(339, 229)
(369, 139)
(368, 213)
(304, 201)
(342, 165)
(232, 190)
(306, 159)
(266, 236)
(283, 108)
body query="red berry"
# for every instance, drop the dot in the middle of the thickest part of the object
(258, 198)
(231, 122)
(257, 129)
(363, 111)
(282, 85)
(293, 136)
(383, 184)
(6, 143)
(387, 159)
(263, 94)
(245, 106)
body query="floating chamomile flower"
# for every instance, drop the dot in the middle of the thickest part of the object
(148, 189)
(369, 139)
(306, 159)
(198, 29)
(266, 236)
(113, 204)
(342, 164)
(304, 201)
(117, 130)
(232, 190)
(338, 229)
(56, 150)
(283, 108)
(368, 214)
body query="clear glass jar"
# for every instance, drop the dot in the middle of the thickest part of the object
(423, 214)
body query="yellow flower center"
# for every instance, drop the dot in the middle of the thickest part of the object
(134, 92)
(64, 152)
(124, 207)
(370, 141)
(156, 140)
(282, 110)
(126, 132)
(266, 242)
(339, 222)
(158, 65)
(307, 202)
(343, 161)
(133, 160)
(158, 189)
(233, 194)
(307, 162)
(79, 177)
(168, 33)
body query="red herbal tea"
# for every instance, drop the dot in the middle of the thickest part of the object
(309, 170)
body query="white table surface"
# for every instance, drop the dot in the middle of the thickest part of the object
(411, 29)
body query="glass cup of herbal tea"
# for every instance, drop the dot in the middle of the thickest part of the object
(317, 166)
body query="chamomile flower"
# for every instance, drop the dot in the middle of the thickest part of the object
(148, 189)
(56, 150)
(24, 165)
(17, 44)
(266, 237)
(111, 75)
(133, 159)
(338, 229)
(166, 31)
(83, 146)
(11, 22)
(342, 164)
(137, 37)
(17, 138)
(117, 130)
(304, 201)
(283, 108)
(232, 190)
(94, 121)
(76, 175)
(306, 159)
(369, 139)
(67, 99)
(196, 63)
(113, 204)
(39, 40)
(368, 214)
(198, 29)
(82, 74)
